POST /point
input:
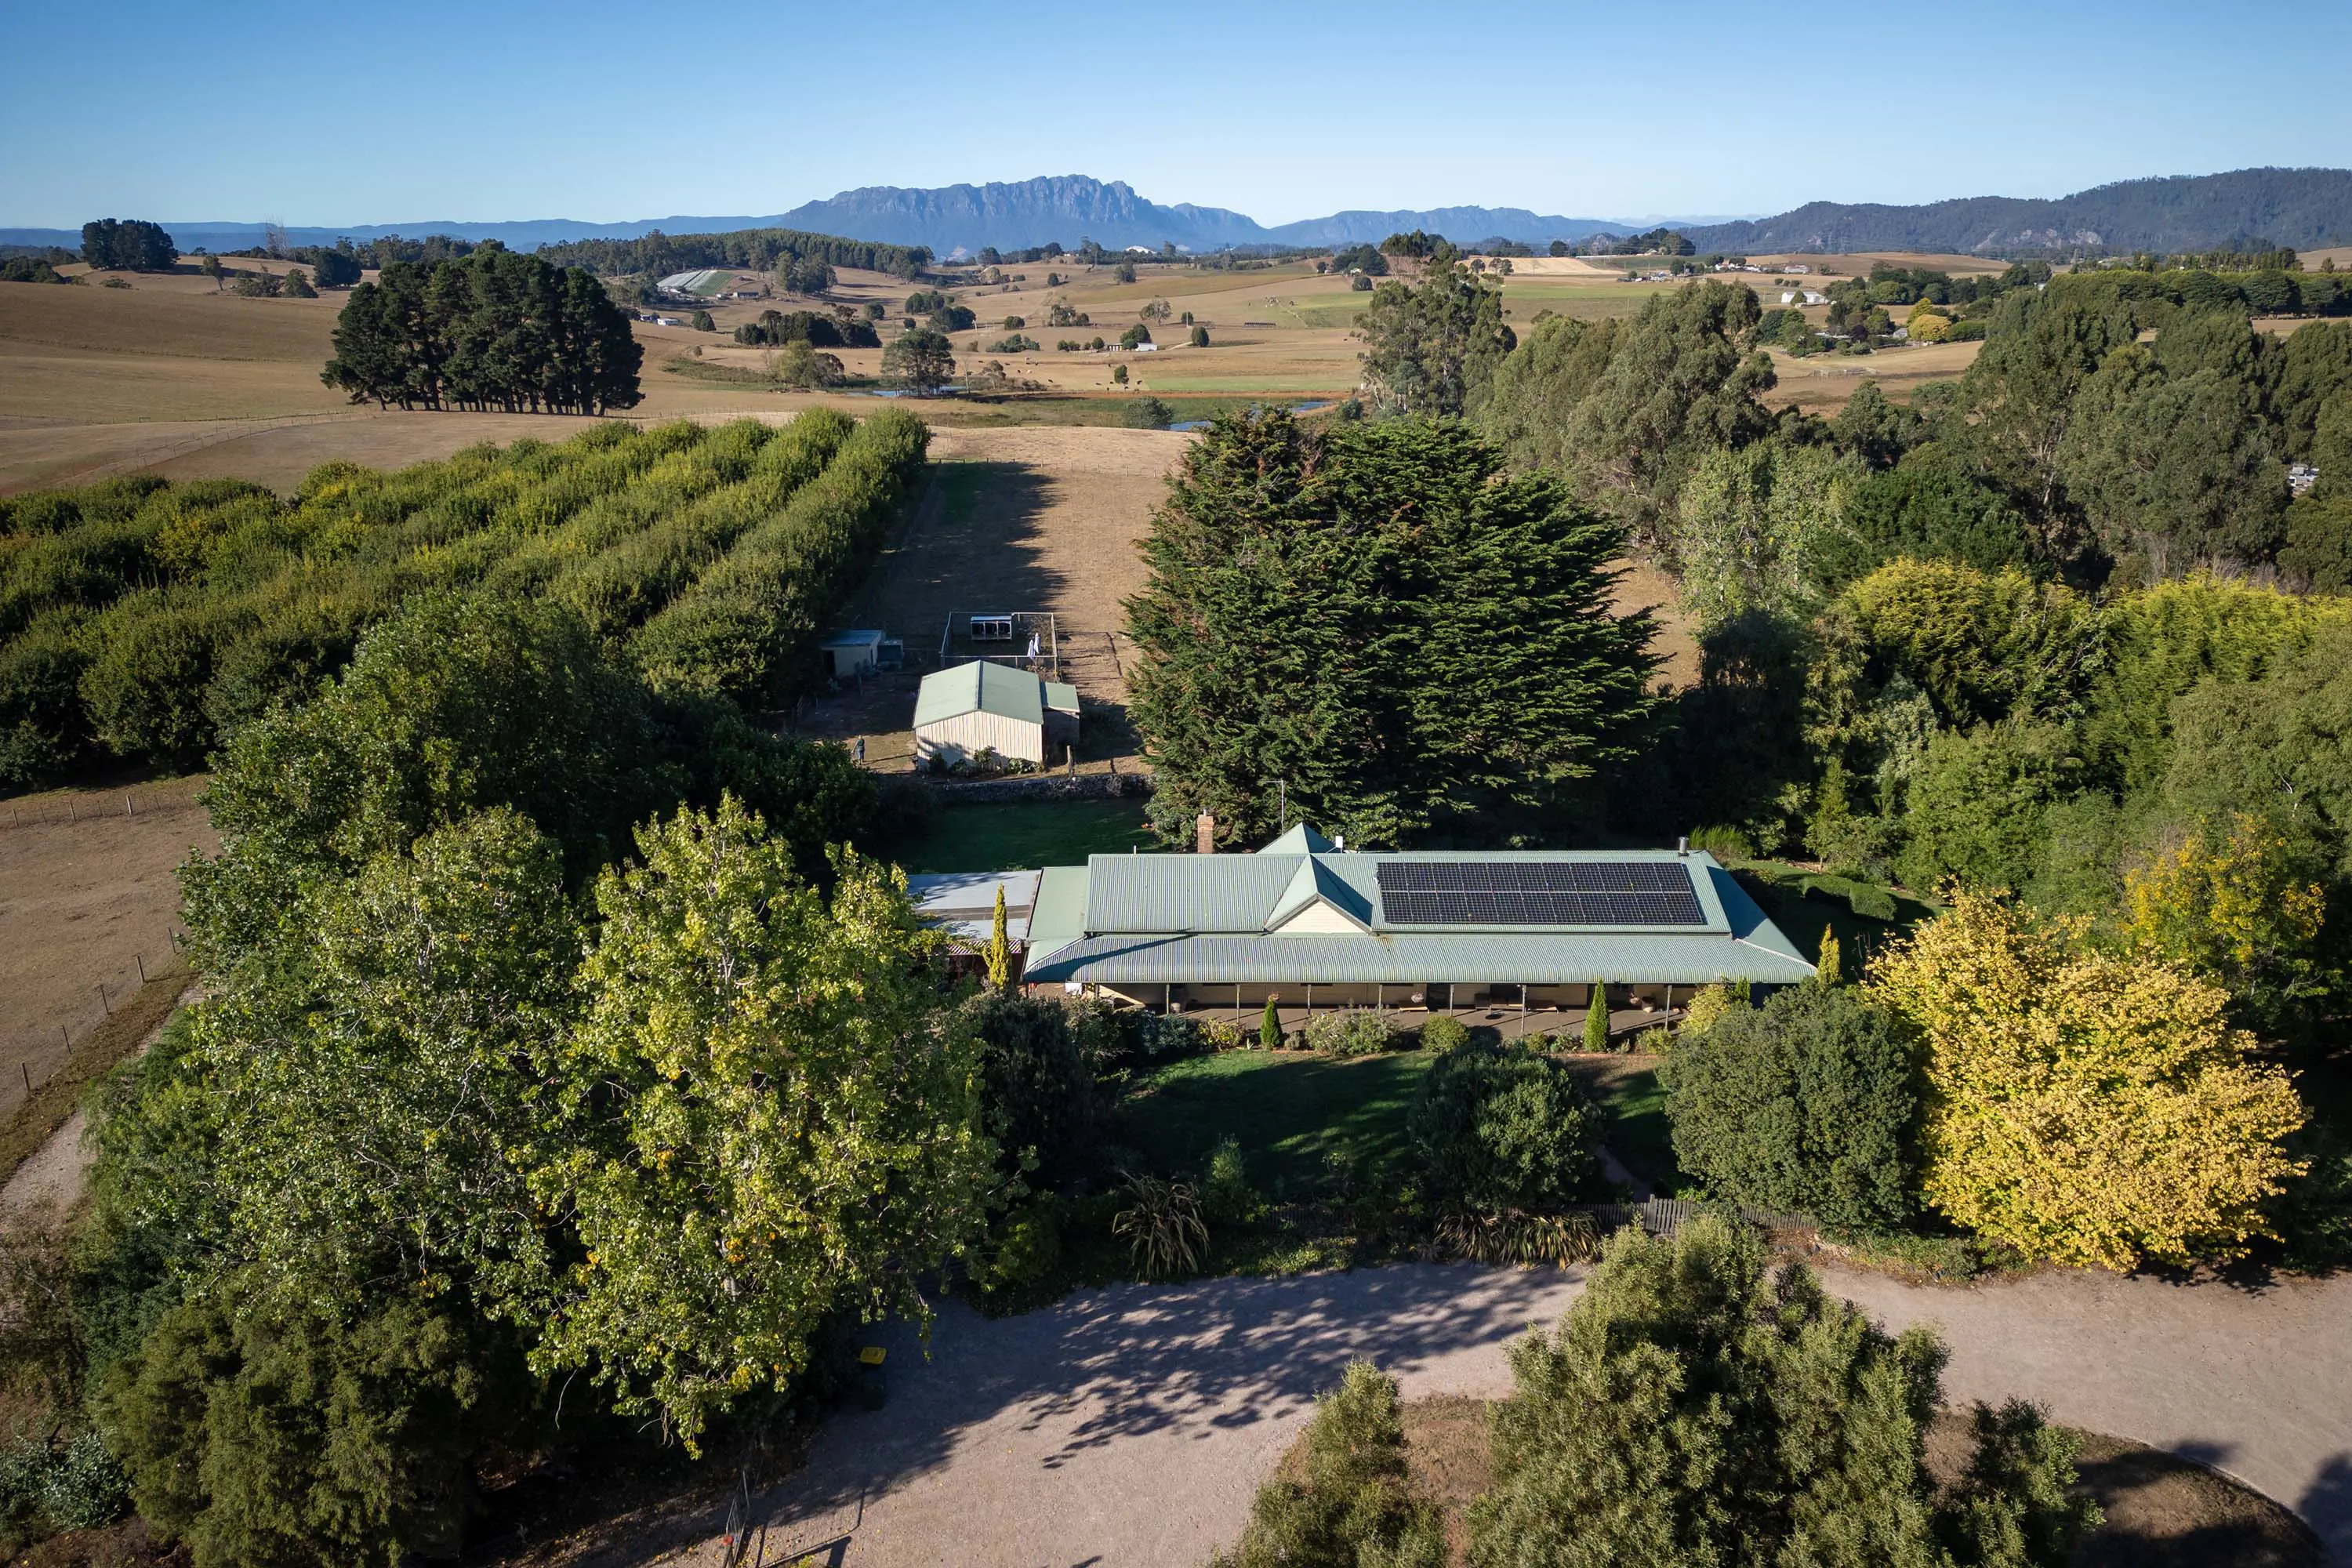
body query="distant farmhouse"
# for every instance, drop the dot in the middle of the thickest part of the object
(978, 707)
(1313, 924)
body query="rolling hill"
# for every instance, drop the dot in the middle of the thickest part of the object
(2304, 208)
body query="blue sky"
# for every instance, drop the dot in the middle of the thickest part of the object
(334, 114)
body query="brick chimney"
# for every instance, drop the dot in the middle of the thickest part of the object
(1204, 835)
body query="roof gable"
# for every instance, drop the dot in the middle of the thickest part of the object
(1317, 899)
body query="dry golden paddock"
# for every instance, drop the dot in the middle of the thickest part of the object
(176, 376)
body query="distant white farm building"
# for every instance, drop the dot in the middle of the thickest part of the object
(978, 707)
(1790, 296)
(703, 281)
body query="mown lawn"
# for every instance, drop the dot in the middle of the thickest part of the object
(1639, 1134)
(1289, 1113)
(1023, 835)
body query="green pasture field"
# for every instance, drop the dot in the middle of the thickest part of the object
(1326, 316)
(1592, 302)
(1023, 835)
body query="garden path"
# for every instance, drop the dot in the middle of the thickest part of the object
(1130, 1425)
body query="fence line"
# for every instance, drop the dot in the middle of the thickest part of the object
(106, 1004)
(1663, 1216)
(40, 811)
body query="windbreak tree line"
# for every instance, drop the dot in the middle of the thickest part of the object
(753, 249)
(497, 329)
(142, 620)
(1368, 623)
(837, 329)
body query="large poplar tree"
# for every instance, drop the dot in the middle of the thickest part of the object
(1374, 624)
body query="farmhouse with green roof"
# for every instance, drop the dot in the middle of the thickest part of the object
(1309, 922)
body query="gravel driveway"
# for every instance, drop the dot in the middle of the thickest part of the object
(1130, 1425)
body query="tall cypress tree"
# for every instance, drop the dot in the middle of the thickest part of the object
(1373, 619)
(494, 330)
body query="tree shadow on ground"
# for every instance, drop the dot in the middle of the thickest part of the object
(1106, 1366)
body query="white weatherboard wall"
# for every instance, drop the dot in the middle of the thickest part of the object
(966, 735)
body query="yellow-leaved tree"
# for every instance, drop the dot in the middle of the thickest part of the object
(2084, 1106)
(2229, 902)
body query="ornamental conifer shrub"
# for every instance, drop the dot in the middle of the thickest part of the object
(1355, 1502)
(1700, 1407)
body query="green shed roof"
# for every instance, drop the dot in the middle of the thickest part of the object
(981, 687)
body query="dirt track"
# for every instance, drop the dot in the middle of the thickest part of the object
(1131, 1426)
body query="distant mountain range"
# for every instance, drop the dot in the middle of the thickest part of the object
(2305, 208)
(1066, 208)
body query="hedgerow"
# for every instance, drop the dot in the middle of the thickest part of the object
(142, 620)
(734, 632)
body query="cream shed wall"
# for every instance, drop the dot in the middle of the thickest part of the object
(966, 735)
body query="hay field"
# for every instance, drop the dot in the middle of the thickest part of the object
(87, 894)
(1821, 384)
(176, 376)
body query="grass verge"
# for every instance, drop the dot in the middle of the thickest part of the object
(91, 1058)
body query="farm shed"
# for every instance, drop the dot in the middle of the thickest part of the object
(983, 707)
(845, 654)
(1302, 921)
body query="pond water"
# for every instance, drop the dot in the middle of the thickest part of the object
(1294, 407)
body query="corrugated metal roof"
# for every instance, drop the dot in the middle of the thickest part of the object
(981, 687)
(1545, 958)
(963, 903)
(1061, 696)
(1204, 919)
(1184, 892)
(1059, 915)
(1250, 892)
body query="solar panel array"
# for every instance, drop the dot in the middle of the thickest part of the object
(1539, 893)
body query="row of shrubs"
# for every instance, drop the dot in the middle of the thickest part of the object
(149, 617)
(729, 634)
(140, 619)
(1349, 1032)
(630, 580)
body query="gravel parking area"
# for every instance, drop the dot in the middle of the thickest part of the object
(1131, 1426)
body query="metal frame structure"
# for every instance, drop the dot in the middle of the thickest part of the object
(957, 643)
